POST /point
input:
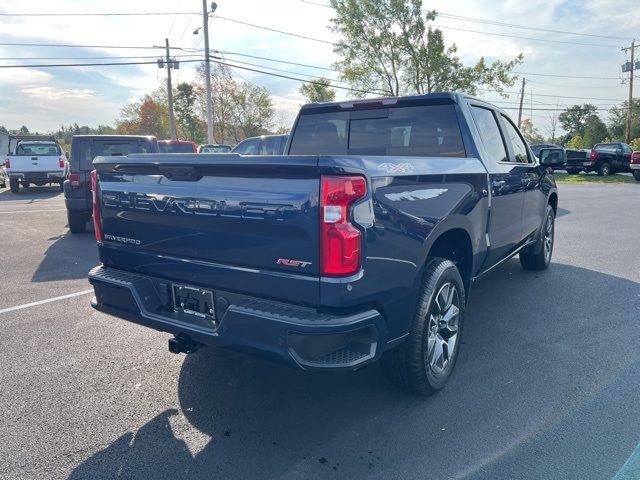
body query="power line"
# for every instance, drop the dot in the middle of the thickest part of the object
(274, 30)
(92, 58)
(100, 14)
(224, 52)
(71, 45)
(46, 65)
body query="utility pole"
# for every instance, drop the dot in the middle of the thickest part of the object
(521, 101)
(207, 68)
(630, 67)
(172, 122)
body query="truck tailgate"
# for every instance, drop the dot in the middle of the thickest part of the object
(35, 163)
(226, 222)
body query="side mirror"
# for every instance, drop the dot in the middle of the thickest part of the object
(552, 157)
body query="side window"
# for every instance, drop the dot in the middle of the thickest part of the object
(517, 143)
(490, 133)
(627, 149)
(250, 147)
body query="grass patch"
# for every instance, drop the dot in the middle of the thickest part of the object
(593, 178)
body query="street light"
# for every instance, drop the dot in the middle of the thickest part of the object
(207, 67)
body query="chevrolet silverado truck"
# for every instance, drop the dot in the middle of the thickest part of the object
(361, 243)
(84, 148)
(608, 158)
(34, 159)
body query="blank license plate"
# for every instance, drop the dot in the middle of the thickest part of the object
(193, 301)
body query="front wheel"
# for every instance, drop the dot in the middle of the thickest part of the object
(539, 256)
(61, 185)
(424, 362)
(604, 170)
(573, 172)
(636, 175)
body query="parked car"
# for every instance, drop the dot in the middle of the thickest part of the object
(608, 158)
(264, 145)
(34, 159)
(177, 146)
(215, 148)
(362, 243)
(84, 148)
(634, 164)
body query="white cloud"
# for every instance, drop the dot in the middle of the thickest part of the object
(51, 93)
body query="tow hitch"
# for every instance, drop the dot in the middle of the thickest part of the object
(183, 345)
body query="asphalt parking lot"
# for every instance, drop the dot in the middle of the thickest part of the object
(547, 384)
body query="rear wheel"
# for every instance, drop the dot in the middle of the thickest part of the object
(14, 185)
(573, 172)
(77, 221)
(424, 362)
(539, 257)
(61, 185)
(604, 170)
(636, 175)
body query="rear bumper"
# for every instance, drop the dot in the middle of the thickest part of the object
(297, 335)
(37, 176)
(634, 166)
(579, 165)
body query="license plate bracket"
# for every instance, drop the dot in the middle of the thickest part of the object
(194, 301)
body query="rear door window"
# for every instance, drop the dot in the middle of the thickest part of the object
(425, 131)
(248, 147)
(85, 150)
(490, 133)
(49, 149)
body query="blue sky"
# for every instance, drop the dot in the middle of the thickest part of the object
(44, 98)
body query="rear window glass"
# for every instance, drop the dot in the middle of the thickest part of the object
(424, 131)
(218, 149)
(85, 150)
(38, 149)
(175, 148)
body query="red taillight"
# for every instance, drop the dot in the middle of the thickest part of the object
(74, 180)
(340, 241)
(7, 163)
(97, 218)
(594, 155)
(61, 162)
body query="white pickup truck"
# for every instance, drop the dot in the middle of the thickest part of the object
(34, 160)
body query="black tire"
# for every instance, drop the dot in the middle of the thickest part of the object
(409, 365)
(604, 170)
(3, 184)
(636, 175)
(77, 221)
(14, 185)
(538, 257)
(61, 185)
(573, 172)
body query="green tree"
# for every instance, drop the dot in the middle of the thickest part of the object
(635, 144)
(529, 132)
(573, 119)
(23, 130)
(189, 125)
(145, 117)
(576, 142)
(3, 129)
(595, 131)
(318, 91)
(618, 120)
(387, 47)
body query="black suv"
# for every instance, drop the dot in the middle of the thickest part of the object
(84, 148)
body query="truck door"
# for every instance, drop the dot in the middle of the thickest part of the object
(505, 182)
(535, 200)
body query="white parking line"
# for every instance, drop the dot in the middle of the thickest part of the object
(48, 300)
(34, 211)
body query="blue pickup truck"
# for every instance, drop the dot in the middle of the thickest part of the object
(361, 243)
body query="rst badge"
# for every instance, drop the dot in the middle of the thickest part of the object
(292, 263)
